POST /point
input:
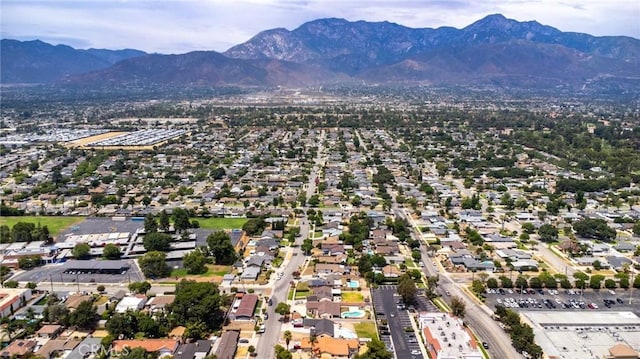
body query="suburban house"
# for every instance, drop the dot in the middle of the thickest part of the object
(228, 344)
(159, 302)
(49, 331)
(197, 350)
(250, 273)
(164, 347)
(57, 348)
(243, 307)
(334, 347)
(319, 326)
(133, 303)
(323, 309)
(18, 348)
(328, 268)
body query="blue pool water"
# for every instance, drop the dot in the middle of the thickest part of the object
(353, 314)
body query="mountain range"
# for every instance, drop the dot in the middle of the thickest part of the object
(492, 51)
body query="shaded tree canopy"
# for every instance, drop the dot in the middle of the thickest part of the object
(197, 302)
(221, 249)
(594, 228)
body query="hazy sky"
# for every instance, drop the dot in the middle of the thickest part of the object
(178, 26)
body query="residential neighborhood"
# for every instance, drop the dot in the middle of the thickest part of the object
(223, 238)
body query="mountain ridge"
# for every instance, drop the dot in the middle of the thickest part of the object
(492, 50)
(36, 61)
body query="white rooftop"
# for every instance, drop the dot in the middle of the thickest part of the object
(587, 335)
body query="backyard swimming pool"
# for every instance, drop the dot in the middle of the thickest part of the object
(353, 314)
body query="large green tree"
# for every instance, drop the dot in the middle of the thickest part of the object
(81, 251)
(595, 228)
(197, 302)
(548, 233)
(139, 287)
(254, 226)
(150, 224)
(157, 242)
(85, 316)
(195, 262)
(111, 251)
(181, 219)
(407, 289)
(154, 265)
(375, 350)
(457, 306)
(221, 248)
(164, 221)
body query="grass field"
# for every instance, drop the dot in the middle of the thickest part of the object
(352, 297)
(221, 223)
(54, 223)
(212, 271)
(366, 330)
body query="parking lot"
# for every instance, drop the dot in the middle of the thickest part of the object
(394, 323)
(56, 274)
(561, 299)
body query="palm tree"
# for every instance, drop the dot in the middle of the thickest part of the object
(287, 337)
(313, 339)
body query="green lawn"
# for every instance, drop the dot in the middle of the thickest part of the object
(409, 263)
(221, 223)
(180, 272)
(54, 223)
(366, 330)
(212, 270)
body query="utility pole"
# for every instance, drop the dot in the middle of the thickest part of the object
(51, 281)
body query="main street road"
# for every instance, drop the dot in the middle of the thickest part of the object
(273, 325)
(476, 315)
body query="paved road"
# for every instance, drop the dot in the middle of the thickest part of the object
(281, 288)
(476, 316)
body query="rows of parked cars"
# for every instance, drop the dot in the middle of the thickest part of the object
(572, 303)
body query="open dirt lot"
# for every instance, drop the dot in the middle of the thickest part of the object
(83, 142)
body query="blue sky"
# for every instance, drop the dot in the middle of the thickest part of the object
(178, 26)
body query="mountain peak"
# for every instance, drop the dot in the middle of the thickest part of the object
(334, 49)
(493, 21)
